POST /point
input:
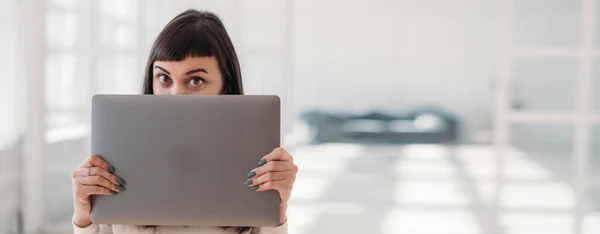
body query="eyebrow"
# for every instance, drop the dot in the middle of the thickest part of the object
(187, 73)
(165, 70)
(196, 70)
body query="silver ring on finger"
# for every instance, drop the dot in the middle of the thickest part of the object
(89, 171)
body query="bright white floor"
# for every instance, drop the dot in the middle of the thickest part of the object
(427, 189)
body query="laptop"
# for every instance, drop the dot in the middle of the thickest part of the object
(185, 158)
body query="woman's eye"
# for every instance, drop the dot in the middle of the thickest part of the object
(196, 81)
(164, 79)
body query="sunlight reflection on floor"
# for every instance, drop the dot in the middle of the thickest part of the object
(433, 191)
(543, 195)
(537, 222)
(428, 193)
(591, 223)
(426, 222)
(417, 168)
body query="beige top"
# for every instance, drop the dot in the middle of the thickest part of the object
(129, 229)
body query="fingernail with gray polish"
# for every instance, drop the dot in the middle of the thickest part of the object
(113, 192)
(110, 168)
(120, 181)
(248, 182)
(262, 162)
(251, 174)
(120, 188)
(254, 188)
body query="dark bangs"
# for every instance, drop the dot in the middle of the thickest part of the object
(184, 40)
(196, 34)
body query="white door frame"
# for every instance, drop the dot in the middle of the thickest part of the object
(582, 119)
(32, 66)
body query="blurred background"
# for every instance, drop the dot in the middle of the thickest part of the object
(404, 116)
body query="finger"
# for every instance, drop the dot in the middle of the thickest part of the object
(270, 176)
(278, 154)
(83, 192)
(270, 167)
(95, 180)
(88, 190)
(97, 161)
(83, 172)
(99, 181)
(281, 186)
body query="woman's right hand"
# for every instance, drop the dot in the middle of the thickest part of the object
(94, 176)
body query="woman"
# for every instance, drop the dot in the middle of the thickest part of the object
(192, 55)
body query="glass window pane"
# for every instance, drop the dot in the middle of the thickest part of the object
(64, 3)
(105, 33)
(547, 22)
(60, 81)
(128, 75)
(118, 9)
(113, 35)
(119, 74)
(544, 84)
(124, 36)
(61, 29)
(61, 90)
(597, 26)
(69, 33)
(106, 68)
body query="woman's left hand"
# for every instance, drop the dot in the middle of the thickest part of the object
(276, 171)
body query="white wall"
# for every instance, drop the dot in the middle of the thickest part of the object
(369, 54)
(395, 55)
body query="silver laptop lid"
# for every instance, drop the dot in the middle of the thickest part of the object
(185, 158)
